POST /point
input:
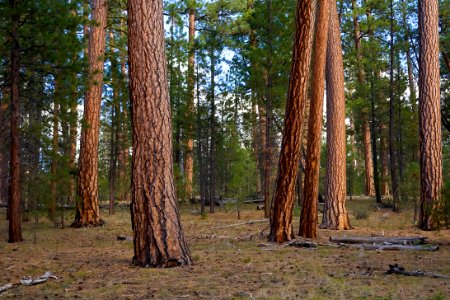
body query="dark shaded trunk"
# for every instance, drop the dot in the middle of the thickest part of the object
(15, 225)
(392, 144)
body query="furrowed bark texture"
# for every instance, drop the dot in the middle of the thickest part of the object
(283, 200)
(189, 155)
(308, 217)
(15, 225)
(158, 237)
(88, 212)
(368, 163)
(431, 201)
(335, 189)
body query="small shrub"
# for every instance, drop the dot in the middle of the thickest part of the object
(361, 214)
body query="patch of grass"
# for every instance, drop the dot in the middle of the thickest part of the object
(361, 214)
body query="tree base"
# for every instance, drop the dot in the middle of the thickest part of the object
(171, 263)
(81, 223)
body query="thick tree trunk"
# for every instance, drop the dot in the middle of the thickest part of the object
(88, 212)
(392, 142)
(431, 200)
(336, 212)
(15, 226)
(308, 217)
(283, 200)
(158, 236)
(189, 155)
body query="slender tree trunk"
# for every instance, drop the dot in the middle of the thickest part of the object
(308, 217)
(55, 154)
(373, 125)
(189, 155)
(268, 108)
(384, 160)
(73, 122)
(15, 226)
(122, 140)
(368, 163)
(431, 215)
(4, 147)
(115, 132)
(263, 148)
(392, 144)
(283, 200)
(200, 150)
(212, 124)
(158, 236)
(336, 212)
(88, 212)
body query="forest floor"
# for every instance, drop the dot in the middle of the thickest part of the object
(229, 262)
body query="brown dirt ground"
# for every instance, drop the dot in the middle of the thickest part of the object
(92, 264)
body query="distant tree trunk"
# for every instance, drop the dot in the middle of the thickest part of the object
(122, 140)
(55, 153)
(88, 212)
(212, 124)
(373, 126)
(392, 143)
(368, 163)
(115, 132)
(268, 109)
(112, 161)
(200, 150)
(384, 161)
(189, 155)
(335, 190)
(431, 201)
(15, 226)
(158, 236)
(73, 122)
(283, 200)
(4, 147)
(308, 216)
(263, 147)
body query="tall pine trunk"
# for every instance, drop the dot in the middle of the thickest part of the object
(431, 200)
(335, 216)
(283, 200)
(158, 237)
(15, 225)
(189, 155)
(308, 216)
(392, 142)
(88, 212)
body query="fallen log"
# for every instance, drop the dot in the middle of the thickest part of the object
(399, 270)
(379, 240)
(28, 281)
(396, 247)
(299, 243)
(240, 224)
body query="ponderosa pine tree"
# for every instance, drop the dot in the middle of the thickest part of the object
(158, 237)
(189, 155)
(308, 216)
(431, 201)
(335, 212)
(15, 225)
(283, 200)
(88, 212)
